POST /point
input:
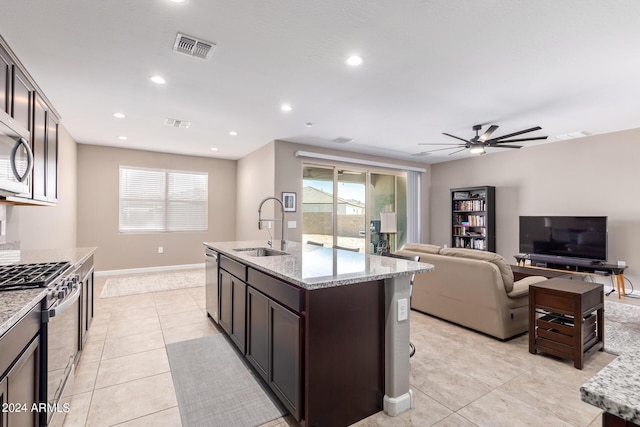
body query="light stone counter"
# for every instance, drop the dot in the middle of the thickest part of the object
(15, 304)
(616, 388)
(313, 267)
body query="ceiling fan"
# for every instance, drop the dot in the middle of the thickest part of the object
(478, 143)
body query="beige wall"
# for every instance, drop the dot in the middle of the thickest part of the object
(50, 227)
(288, 178)
(589, 176)
(255, 182)
(98, 176)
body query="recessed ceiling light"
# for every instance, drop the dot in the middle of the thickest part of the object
(119, 115)
(178, 1)
(158, 80)
(233, 133)
(354, 60)
(214, 149)
(122, 138)
(308, 124)
(286, 107)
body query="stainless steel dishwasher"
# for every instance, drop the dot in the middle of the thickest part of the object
(211, 283)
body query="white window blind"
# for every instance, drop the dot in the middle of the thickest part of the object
(158, 200)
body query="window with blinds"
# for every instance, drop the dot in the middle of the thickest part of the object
(158, 200)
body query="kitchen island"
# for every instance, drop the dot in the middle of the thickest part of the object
(327, 329)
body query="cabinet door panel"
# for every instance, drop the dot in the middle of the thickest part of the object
(22, 99)
(258, 331)
(23, 386)
(285, 356)
(39, 138)
(238, 313)
(226, 300)
(51, 190)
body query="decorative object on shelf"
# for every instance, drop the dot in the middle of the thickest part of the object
(289, 202)
(473, 218)
(388, 225)
(479, 143)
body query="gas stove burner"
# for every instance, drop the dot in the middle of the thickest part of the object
(26, 276)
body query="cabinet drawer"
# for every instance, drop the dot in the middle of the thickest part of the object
(18, 337)
(555, 303)
(282, 292)
(234, 267)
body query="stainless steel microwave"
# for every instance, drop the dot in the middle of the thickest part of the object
(16, 161)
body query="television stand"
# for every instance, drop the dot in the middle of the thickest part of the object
(569, 267)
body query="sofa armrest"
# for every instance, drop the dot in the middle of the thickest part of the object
(521, 287)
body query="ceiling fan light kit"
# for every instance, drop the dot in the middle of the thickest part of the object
(479, 143)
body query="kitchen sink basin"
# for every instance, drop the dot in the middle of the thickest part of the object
(261, 251)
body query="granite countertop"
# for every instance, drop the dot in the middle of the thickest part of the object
(15, 304)
(313, 267)
(616, 388)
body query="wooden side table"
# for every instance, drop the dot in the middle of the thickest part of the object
(566, 319)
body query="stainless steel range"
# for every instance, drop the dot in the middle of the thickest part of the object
(60, 332)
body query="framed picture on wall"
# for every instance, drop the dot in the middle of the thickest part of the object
(289, 202)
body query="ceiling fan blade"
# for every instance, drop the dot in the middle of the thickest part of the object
(456, 137)
(488, 133)
(462, 149)
(515, 133)
(535, 138)
(429, 143)
(507, 146)
(448, 148)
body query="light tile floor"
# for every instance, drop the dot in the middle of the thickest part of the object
(459, 377)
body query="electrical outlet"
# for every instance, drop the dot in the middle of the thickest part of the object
(160, 250)
(403, 309)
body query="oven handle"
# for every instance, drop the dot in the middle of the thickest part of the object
(67, 302)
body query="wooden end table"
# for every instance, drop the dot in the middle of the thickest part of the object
(566, 319)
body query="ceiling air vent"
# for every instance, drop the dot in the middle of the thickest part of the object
(175, 123)
(194, 47)
(341, 140)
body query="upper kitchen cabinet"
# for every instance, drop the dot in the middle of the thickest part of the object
(25, 108)
(45, 152)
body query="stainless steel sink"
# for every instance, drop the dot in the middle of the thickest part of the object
(261, 251)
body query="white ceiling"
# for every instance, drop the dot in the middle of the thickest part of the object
(430, 66)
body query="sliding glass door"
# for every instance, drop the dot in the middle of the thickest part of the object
(351, 230)
(317, 205)
(344, 207)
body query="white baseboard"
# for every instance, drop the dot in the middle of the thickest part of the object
(148, 269)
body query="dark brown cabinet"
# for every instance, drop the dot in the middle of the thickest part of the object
(86, 308)
(285, 351)
(24, 107)
(23, 387)
(20, 371)
(21, 98)
(45, 152)
(258, 331)
(233, 308)
(274, 347)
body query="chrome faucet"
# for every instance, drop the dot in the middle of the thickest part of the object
(283, 243)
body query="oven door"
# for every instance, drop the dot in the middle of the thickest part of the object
(16, 161)
(62, 347)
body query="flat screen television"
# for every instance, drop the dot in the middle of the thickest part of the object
(579, 238)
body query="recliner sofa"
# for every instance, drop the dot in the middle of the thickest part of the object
(471, 288)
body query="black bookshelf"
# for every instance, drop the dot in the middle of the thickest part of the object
(473, 218)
